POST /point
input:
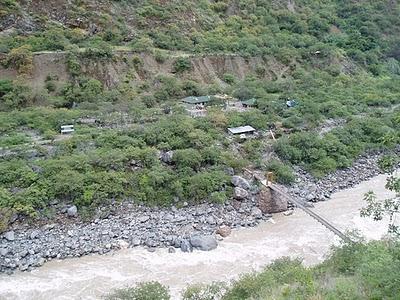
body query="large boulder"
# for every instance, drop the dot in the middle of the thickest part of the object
(240, 182)
(270, 202)
(240, 193)
(203, 242)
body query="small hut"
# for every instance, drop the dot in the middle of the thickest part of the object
(242, 130)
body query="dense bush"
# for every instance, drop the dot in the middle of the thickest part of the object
(21, 59)
(182, 64)
(143, 291)
(336, 149)
(356, 271)
(283, 173)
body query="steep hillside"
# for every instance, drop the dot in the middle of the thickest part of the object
(122, 68)
(365, 31)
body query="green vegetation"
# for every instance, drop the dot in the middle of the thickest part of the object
(315, 33)
(354, 271)
(283, 173)
(182, 64)
(357, 271)
(389, 207)
(144, 291)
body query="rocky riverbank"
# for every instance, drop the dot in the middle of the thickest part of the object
(185, 228)
(24, 247)
(311, 189)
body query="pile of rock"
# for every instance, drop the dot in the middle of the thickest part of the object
(313, 190)
(186, 228)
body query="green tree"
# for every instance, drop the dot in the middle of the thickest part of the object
(390, 207)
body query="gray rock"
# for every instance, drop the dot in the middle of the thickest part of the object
(135, 242)
(171, 250)
(49, 226)
(288, 213)
(143, 219)
(9, 236)
(34, 234)
(3, 251)
(13, 218)
(203, 242)
(240, 193)
(23, 268)
(256, 213)
(186, 246)
(310, 197)
(38, 262)
(72, 211)
(167, 157)
(230, 171)
(177, 242)
(211, 220)
(240, 182)
(23, 253)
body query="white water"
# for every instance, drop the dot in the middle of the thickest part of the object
(245, 250)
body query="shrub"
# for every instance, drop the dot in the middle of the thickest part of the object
(187, 158)
(204, 292)
(6, 86)
(284, 174)
(5, 215)
(182, 64)
(143, 291)
(19, 97)
(160, 56)
(73, 64)
(143, 44)
(98, 50)
(21, 59)
(229, 78)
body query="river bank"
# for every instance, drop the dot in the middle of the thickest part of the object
(25, 248)
(243, 251)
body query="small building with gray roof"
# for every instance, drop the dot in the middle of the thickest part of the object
(241, 130)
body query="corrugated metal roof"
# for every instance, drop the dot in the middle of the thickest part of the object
(241, 129)
(196, 100)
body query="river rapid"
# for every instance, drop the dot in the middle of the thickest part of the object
(244, 250)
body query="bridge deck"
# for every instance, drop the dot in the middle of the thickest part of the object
(313, 214)
(308, 211)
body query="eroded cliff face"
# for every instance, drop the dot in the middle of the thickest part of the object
(134, 68)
